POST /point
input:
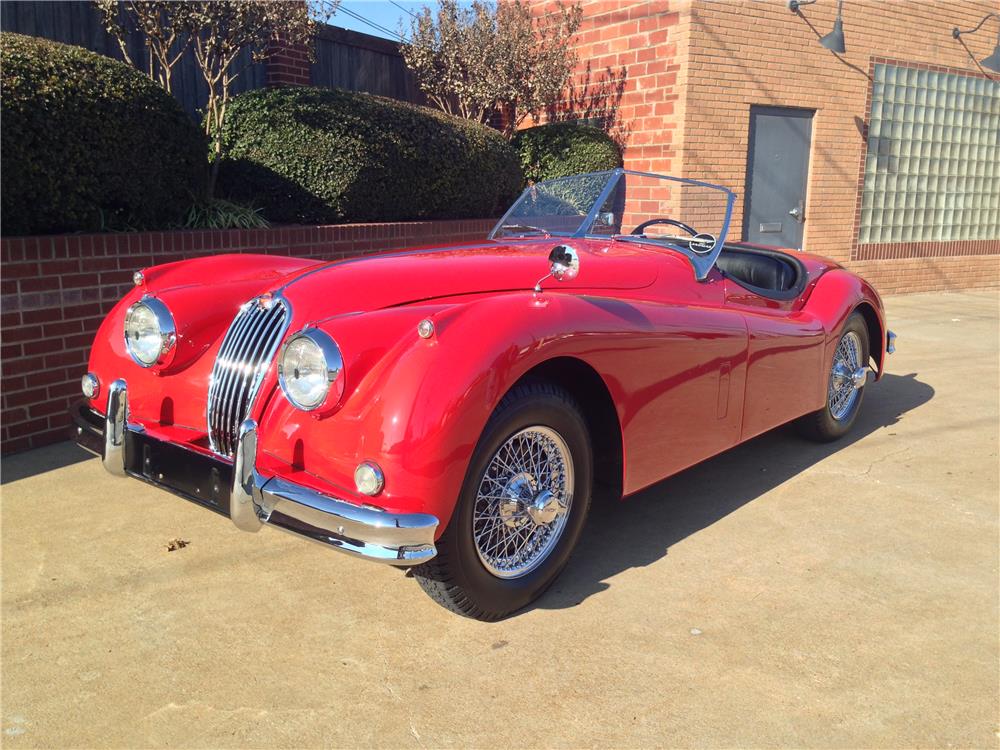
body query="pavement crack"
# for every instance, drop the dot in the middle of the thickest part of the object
(881, 459)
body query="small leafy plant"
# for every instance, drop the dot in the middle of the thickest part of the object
(216, 213)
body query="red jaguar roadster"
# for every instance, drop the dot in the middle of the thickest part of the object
(451, 408)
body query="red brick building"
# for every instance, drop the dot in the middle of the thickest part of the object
(893, 148)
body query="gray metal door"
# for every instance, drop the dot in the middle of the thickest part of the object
(777, 168)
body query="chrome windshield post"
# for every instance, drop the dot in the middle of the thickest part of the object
(115, 422)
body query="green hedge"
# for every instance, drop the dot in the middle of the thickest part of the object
(89, 143)
(559, 149)
(309, 155)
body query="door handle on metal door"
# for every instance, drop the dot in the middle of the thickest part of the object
(796, 212)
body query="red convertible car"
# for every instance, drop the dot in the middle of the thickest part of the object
(450, 409)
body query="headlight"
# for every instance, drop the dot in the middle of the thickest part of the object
(149, 332)
(310, 367)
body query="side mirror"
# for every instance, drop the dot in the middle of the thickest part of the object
(564, 263)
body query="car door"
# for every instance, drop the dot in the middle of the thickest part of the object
(679, 377)
(784, 359)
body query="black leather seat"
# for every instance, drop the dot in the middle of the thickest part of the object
(758, 270)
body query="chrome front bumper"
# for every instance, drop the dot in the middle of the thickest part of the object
(252, 500)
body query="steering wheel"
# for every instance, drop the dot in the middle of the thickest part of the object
(641, 229)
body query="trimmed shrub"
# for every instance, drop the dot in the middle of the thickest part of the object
(560, 149)
(89, 143)
(309, 155)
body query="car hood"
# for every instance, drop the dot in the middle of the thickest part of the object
(393, 279)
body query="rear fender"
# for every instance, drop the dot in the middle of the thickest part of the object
(837, 295)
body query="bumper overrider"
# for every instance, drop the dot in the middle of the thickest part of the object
(237, 489)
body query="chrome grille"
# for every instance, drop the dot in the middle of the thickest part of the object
(246, 353)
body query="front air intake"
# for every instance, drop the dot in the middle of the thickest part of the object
(244, 357)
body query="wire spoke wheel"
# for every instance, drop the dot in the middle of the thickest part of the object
(847, 376)
(523, 502)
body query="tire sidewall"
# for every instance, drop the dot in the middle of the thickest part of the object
(489, 591)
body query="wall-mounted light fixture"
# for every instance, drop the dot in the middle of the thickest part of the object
(834, 41)
(993, 61)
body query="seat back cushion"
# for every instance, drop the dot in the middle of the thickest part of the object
(763, 271)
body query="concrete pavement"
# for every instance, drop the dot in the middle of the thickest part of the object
(783, 594)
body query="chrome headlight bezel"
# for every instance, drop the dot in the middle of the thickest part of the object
(333, 362)
(166, 329)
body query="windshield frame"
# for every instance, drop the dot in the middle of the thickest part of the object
(702, 262)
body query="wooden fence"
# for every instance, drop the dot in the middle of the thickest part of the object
(345, 59)
(360, 62)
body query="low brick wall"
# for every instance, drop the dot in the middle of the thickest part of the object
(57, 289)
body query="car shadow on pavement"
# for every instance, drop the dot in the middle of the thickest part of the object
(641, 530)
(38, 461)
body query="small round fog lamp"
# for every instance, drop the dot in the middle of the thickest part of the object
(90, 385)
(368, 478)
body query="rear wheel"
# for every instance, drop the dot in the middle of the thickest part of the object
(523, 504)
(845, 387)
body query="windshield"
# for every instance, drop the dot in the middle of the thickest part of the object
(686, 215)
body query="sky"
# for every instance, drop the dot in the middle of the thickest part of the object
(379, 12)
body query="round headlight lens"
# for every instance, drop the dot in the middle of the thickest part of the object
(149, 331)
(311, 363)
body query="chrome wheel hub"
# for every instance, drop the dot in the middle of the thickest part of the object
(523, 502)
(848, 376)
(544, 508)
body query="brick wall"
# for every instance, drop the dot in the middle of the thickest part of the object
(746, 53)
(288, 65)
(904, 275)
(693, 68)
(57, 289)
(644, 45)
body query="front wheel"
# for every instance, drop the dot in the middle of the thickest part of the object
(845, 387)
(522, 507)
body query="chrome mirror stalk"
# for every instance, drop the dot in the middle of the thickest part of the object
(564, 265)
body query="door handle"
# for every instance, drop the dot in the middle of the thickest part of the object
(796, 212)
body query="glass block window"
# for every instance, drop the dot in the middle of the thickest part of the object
(932, 171)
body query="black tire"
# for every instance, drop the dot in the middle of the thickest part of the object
(821, 425)
(456, 578)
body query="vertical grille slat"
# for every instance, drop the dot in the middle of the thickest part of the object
(222, 374)
(230, 383)
(244, 357)
(245, 383)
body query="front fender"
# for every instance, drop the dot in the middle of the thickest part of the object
(418, 406)
(203, 295)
